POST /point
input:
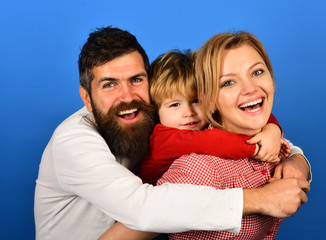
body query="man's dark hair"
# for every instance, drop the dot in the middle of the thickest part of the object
(103, 45)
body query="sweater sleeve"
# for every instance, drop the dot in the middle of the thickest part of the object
(272, 119)
(167, 144)
(173, 143)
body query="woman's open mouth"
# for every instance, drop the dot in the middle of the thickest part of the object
(253, 106)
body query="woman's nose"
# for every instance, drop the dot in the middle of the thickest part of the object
(248, 86)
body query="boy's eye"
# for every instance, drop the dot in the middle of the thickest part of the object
(258, 72)
(227, 83)
(195, 100)
(174, 105)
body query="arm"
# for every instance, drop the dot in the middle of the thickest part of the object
(287, 190)
(295, 166)
(119, 232)
(85, 167)
(280, 198)
(270, 142)
(167, 144)
(273, 120)
(173, 143)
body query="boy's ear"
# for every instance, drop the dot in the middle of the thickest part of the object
(86, 98)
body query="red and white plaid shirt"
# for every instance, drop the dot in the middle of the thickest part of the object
(220, 173)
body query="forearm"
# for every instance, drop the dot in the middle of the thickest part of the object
(280, 198)
(170, 143)
(299, 167)
(85, 167)
(299, 161)
(120, 232)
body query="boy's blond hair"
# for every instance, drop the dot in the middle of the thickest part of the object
(171, 73)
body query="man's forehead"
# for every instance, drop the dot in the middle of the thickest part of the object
(122, 67)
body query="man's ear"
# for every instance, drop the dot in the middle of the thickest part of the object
(86, 98)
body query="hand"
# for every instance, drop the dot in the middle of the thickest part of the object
(295, 166)
(281, 198)
(269, 141)
(285, 149)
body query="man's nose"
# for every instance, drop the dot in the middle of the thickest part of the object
(126, 93)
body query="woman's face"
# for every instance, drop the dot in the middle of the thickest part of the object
(246, 91)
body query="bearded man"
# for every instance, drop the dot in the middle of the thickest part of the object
(85, 182)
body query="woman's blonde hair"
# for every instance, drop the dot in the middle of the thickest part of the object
(208, 67)
(170, 73)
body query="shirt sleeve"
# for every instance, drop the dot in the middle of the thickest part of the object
(272, 119)
(85, 167)
(167, 144)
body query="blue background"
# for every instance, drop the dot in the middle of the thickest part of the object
(39, 46)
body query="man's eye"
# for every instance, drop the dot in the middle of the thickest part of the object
(137, 80)
(227, 83)
(174, 105)
(258, 72)
(108, 85)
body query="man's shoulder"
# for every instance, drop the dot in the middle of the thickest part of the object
(82, 119)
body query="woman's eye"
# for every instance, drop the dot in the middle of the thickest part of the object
(227, 83)
(258, 72)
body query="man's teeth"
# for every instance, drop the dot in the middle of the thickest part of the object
(127, 111)
(249, 104)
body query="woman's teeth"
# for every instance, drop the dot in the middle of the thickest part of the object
(250, 104)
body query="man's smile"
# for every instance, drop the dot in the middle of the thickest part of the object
(130, 115)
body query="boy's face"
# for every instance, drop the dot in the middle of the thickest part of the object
(179, 112)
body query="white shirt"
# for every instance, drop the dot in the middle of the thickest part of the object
(81, 190)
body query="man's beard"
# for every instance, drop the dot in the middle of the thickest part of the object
(127, 140)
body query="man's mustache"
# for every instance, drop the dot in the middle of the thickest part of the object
(139, 105)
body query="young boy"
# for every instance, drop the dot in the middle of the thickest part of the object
(174, 93)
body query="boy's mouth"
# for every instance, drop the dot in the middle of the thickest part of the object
(190, 123)
(252, 106)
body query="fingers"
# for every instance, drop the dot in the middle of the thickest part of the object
(285, 144)
(304, 198)
(304, 185)
(272, 179)
(266, 157)
(254, 140)
(291, 194)
(278, 173)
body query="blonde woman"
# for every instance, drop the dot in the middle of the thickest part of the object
(236, 83)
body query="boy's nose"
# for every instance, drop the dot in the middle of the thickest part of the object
(188, 112)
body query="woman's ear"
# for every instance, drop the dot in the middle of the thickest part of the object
(86, 98)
